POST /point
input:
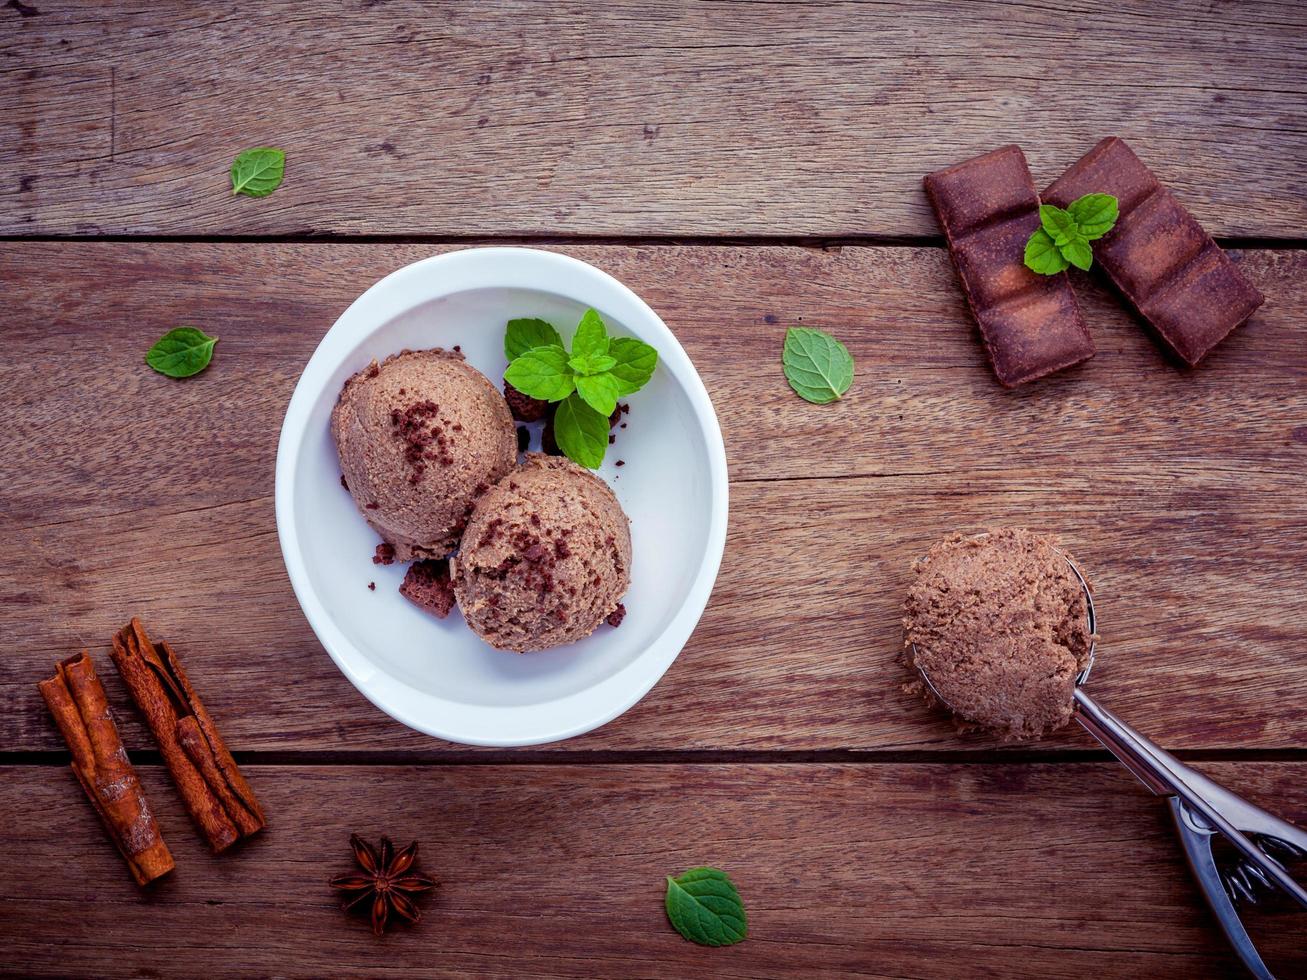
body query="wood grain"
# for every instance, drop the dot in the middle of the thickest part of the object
(1179, 491)
(926, 871)
(631, 118)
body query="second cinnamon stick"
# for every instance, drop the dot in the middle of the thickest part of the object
(157, 707)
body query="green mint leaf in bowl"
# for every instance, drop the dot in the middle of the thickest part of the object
(600, 392)
(581, 432)
(529, 332)
(635, 363)
(704, 907)
(591, 336)
(258, 171)
(1043, 255)
(181, 353)
(587, 382)
(542, 372)
(818, 367)
(1059, 224)
(592, 363)
(1095, 214)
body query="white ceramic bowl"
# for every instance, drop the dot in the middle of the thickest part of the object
(435, 675)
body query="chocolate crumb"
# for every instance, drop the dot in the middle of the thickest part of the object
(427, 585)
(343, 483)
(626, 408)
(622, 426)
(620, 462)
(385, 554)
(372, 586)
(524, 407)
(612, 439)
(617, 615)
(548, 443)
(617, 414)
(523, 438)
(458, 348)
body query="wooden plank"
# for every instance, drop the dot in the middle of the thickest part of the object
(1186, 510)
(923, 871)
(639, 118)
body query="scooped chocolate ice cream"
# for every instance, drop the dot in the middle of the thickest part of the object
(419, 436)
(545, 559)
(999, 623)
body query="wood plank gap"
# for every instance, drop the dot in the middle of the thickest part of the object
(680, 757)
(312, 237)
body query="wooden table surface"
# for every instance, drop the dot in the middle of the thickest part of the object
(743, 167)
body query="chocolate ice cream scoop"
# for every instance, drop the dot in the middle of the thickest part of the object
(1011, 582)
(420, 435)
(999, 625)
(545, 559)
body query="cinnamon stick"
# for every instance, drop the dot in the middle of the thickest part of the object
(214, 791)
(80, 708)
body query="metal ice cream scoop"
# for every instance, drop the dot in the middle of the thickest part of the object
(1201, 809)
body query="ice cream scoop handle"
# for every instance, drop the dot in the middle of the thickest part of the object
(1197, 843)
(1208, 803)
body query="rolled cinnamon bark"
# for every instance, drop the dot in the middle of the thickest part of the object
(80, 708)
(163, 703)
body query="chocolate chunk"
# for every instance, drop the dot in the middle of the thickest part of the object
(524, 407)
(1030, 323)
(548, 443)
(617, 615)
(1157, 255)
(427, 584)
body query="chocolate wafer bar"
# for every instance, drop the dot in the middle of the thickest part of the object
(1031, 324)
(1157, 255)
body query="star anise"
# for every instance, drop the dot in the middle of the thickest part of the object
(388, 879)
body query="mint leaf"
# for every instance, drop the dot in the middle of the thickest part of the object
(592, 363)
(524, 334)
(542, 372)
(581, 432)
(1078, 253)
(1095, 214)
(1059, 224)
(704, 907)
(635, 365)
(181, 353)
(600, 392)
(257, 172)
(818, 367)
(591, 336)
(1043, 256)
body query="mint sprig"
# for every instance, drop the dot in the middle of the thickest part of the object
(704, 907)
(587, 382)
(1064, 234)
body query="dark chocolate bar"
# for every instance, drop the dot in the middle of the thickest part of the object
(1158, 256)
(988, 208)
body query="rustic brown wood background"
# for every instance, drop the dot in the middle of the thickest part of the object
(744, 167)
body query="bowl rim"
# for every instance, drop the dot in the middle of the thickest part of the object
(444, 274)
